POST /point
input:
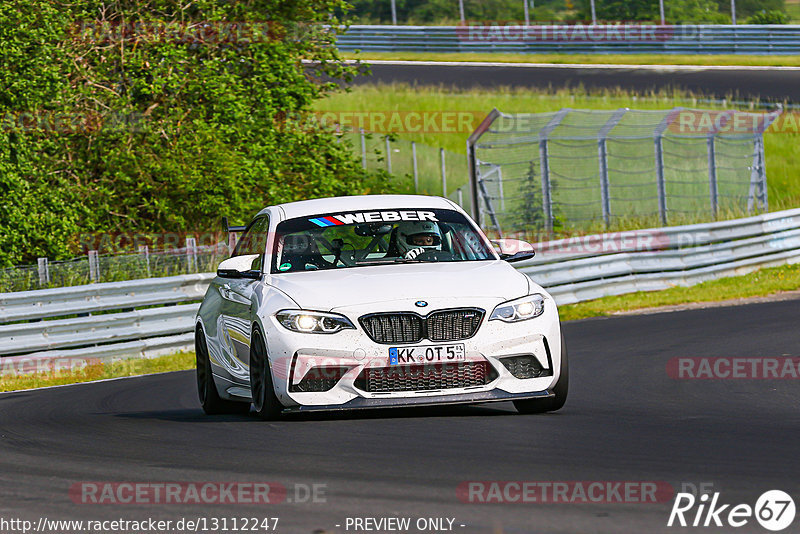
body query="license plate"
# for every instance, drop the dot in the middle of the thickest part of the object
(427, 354)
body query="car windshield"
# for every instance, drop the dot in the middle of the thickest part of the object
(354, 239)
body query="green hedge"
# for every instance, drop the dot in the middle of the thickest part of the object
(155, 116)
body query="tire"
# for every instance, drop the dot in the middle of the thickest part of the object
(560, 390)
(210, 400)
(266, 403)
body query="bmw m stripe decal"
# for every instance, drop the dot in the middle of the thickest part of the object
(325, 221)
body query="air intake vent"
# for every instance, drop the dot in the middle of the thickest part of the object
(425, 377)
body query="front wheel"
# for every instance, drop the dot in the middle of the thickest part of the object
(560, 390)
(265, 401)
(210, 400)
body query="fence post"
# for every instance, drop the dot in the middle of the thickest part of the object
(94, 266)
(414, 165)
(363, 149)
(44, 271)
(388, 156)
(712, 174)
(191, 254)
(758, 177)
(763, 173)
(144, 249)
(662, 186)
(547, 204)
(605, 200)
(544, 165)
(602, 154)
(460, 197)
(658, 133)
(444, 173)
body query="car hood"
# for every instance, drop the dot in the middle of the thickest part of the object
(356, 286)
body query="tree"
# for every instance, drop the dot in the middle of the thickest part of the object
(164, 115)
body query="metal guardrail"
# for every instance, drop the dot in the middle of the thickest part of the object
(572, 270)
(139, 318)
(578, 269)
(669, 39)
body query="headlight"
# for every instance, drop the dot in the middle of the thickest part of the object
(312, 322)
(520, 309)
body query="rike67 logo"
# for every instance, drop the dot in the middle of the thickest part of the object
(774, 510)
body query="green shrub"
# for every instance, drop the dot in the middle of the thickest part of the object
(149, 121)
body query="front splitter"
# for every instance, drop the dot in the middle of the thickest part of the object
(437, 400)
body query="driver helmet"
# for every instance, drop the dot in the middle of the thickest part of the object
(418, 234)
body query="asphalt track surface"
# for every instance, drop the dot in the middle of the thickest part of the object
(768, 84)
(625, 420)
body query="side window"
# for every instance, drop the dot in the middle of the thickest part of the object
(254, 240)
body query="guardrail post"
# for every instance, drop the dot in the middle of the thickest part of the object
(712, 175)
(44, 271)
(145, 250)
(444, 173)
(191, 254)
(388, 156)
(363, 149)
(414, 166)
(94, 266)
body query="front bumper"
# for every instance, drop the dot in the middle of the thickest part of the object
(437, 400)
(294, 355)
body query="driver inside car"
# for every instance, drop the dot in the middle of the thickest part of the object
(416, 237)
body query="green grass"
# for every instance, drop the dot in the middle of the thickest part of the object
(793, 10)
(783, 171)
(612, 59)
(100, 371)
(760, 283)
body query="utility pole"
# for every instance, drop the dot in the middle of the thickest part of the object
(527, 14)
(733, 12)
(461, 9)
(661, 9)
(594, 14)
(394, 13)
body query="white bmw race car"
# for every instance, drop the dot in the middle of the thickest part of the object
(372, 302)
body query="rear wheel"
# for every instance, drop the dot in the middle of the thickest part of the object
(265, 401)
(560, 391)
(210, 400)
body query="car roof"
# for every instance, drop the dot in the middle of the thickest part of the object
(305, 208)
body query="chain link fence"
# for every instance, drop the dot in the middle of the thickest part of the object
(96, 267)
(583, 170)
(431, 170)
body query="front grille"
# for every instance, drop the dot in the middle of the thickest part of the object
(425, 377)
(525, 366)
(409, 327)
(393, 327)
(452, 325)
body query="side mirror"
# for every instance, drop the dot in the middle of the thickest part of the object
(512, 250)
(247, 266)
